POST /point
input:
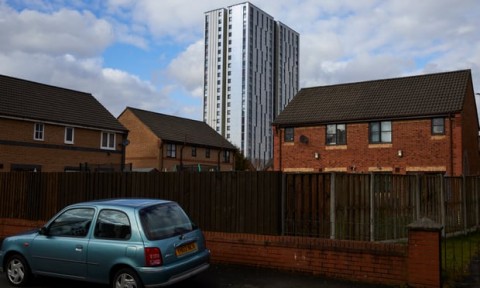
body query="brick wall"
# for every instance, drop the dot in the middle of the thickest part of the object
(470, 128)
(416, 264)
(143, 150)
(424, 252)
(368, 262)
(146, 150)
(10, 226)
(52, 153)
(421, 151)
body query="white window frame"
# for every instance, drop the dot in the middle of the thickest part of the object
(171, 150)
(110, 143)
(38, 131)
(69, 141)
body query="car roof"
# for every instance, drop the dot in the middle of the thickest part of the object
(124, 202)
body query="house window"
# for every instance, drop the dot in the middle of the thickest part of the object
(69, 135)
(207, 153)
(39, 130)
(171, 150)
(108, 140)
(194, 151)
(289, 132)
(438, 126)
(336, 134)
(380, 132)
(226, 156)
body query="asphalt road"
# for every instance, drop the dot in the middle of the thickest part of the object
(221, 276)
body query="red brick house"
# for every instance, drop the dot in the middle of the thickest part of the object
(169, 143)
(52, 129)
(418, 124)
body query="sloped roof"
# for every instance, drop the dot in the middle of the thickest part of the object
(181, 130)
(40, 102)
(414, 96)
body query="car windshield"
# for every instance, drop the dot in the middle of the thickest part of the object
(164, 220)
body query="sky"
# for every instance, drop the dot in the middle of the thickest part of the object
(148, 54)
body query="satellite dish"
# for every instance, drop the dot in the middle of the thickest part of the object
(303, 139)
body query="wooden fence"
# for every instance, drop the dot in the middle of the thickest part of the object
(377, 207)
(228, 202)
(372, 207)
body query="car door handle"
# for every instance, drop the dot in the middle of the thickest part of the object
(79, 248)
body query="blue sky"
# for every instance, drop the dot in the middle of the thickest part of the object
(148, 54)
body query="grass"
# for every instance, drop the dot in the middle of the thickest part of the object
(457, 254)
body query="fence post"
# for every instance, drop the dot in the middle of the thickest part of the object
(424, 259)
(417, 197)
(282, 203)
(442, 201)
(332, 207)
(372, 207)
(464, 203)
(475, 189)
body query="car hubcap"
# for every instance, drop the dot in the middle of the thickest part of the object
(16, 271)
(125, 281)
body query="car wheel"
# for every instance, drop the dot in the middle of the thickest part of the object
(17, 272)
(126, 278)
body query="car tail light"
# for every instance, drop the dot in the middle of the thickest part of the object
(153, 257)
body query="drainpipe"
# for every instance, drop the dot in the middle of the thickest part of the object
(160, 155)
(181, 157)
(451, 144)
(124, 144)
(218, 159)
(280, 149)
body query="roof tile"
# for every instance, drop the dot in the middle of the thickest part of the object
(31, 100)
(414, 96)
(181, 130)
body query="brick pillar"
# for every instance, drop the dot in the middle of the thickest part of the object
(424, 256)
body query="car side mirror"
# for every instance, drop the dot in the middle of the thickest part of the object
(43, 231)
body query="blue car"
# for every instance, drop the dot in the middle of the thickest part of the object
(121, 242)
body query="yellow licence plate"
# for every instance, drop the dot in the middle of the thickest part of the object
(187, 248)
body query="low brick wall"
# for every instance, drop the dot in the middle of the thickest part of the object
(10, 226)
(415, 264)
(368, 262)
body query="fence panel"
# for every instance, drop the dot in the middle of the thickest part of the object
(472, 201)
(307, 205)
(239, 202)
(454, 220)
(395, 205)
(352, 206)
(367, 206)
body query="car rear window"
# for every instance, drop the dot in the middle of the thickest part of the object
(164, 221)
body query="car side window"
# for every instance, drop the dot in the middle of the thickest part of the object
(112, 224)
(73, 222)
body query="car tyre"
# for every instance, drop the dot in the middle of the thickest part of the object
(126, 278)
(17, 271)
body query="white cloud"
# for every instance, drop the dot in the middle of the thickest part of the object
(63, 43)
(64, 31)
(177, 20)
(187, 69)
(115, 89)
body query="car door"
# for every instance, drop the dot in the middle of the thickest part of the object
(61, 248)
(110, 243)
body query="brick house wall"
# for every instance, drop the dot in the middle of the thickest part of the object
(184, 152)
(143, 149)
(17, 146)
(146, 150)
(453, 152)
(470, 136)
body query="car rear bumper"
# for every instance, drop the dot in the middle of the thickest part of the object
(181, 277)
(167, 275)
